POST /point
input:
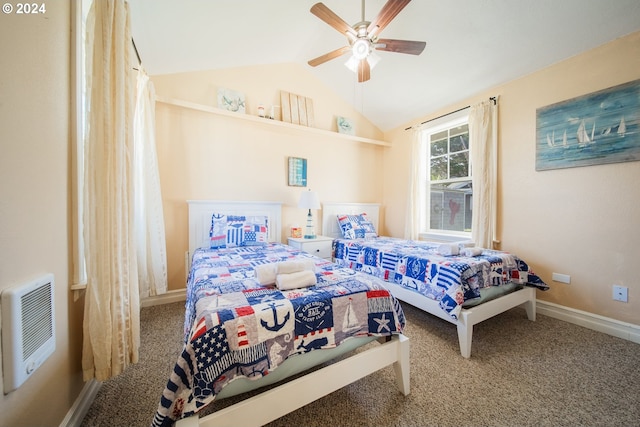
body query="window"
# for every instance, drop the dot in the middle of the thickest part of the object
(449, 189)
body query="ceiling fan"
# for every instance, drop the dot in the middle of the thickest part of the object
(362, 37)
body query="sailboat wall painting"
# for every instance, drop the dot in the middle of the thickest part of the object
(600, 127)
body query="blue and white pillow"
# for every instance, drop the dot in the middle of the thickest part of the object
(356, 227)
(228, 231)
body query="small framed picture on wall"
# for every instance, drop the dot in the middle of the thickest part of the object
(297, 172)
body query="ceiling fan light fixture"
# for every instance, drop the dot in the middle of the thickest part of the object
(363, 38)
(352, 62)
(373, 59)
(361, 48)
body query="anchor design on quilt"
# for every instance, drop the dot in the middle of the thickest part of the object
(276, 326)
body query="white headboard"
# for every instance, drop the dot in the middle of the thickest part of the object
(200, 212)
(331, 210)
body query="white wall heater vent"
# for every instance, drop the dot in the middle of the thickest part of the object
(28, 329)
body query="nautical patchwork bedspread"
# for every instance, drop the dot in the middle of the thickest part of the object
(450, 280)
(236, 327)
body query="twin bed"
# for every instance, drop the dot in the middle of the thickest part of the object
(463, 290)
(243, 332)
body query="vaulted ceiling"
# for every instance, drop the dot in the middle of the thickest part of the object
(472, 45)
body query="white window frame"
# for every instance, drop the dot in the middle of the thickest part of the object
(426, 233)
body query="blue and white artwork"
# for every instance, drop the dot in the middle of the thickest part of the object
(601, 127)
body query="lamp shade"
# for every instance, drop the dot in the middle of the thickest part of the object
(309, 200)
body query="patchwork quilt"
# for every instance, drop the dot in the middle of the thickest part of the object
(234, 327)
(417, 265)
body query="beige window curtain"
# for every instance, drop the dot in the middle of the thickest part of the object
(112, 310)
(483, 136)
(149, 219)
(418, 191)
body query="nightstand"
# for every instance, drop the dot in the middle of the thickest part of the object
(320, 246)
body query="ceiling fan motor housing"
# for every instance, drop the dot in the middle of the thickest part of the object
(361, 48)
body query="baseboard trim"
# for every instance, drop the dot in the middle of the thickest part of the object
(166, 298)
(616, 328)
(82, 404)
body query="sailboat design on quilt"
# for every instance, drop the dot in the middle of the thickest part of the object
(350, 322)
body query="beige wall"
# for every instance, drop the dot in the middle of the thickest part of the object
(207, 156)
(551, 218)
(585, 221)
(34, 198)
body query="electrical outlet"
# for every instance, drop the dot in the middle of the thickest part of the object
(620, 293)
(562, 278)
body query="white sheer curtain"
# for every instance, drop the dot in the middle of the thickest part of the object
(149, 220)
(418, 191)
(111, 325)
(483, 136)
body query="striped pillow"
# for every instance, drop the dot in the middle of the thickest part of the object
(228, 231)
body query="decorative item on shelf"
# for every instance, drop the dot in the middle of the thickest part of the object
(272, 112)
(296, 231)
(231, 100)
(345, 126)
(297, 109)
(261, 110)
(309, 200)
(297, 172)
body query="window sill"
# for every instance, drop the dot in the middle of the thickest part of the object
(444, 237)
(79, 287)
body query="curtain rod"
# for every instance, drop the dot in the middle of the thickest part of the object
(493, 98)
(136, 50)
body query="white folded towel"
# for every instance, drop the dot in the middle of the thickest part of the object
(471, 252)
(297, 280)
(266, 273)
(293, 266)
(448, 249)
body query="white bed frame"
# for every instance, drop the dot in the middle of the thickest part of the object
(276, 402)
(468, 317)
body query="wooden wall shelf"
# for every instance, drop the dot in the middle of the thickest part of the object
(262, 121)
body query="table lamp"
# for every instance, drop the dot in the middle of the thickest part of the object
(309, 200)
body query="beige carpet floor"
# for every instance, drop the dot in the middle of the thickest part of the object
(521, 373)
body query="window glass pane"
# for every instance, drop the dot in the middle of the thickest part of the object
(459, 142)
(440, 135)
(435, 216)
(439, 147)
(451, 206)
(459, 130)
(459, 165)
(439, 169)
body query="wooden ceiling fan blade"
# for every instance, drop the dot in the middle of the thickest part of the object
(400, 46)
(364, 71)
(386, 15)
(329, 56)
(324, 13)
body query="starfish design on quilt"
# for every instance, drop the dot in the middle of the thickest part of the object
(383, 323)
